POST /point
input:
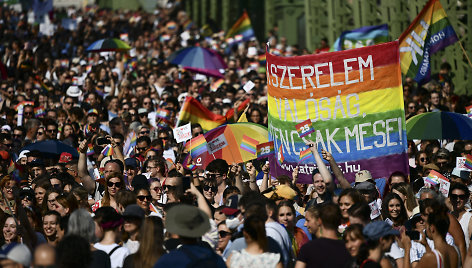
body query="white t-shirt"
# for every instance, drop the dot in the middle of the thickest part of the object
(118, 257)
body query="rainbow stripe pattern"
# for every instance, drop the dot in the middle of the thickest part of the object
(108, 150)
(241, 30)
(305, 128)
(305, 154)
(90, 150)
(215, 85)
(197, 146)
(354, 99)
(265, 149)
(249, 145)
(468, 161)
(430, 32)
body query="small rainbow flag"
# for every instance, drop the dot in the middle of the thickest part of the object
(304, 128)
(434, 177)
(280, 156)
(198, 146)
(171, 25)
(249, 144)
(305, 154)
(90, 150)
(163, 113)
(468, 161)
(108, 150)
(191, 167)
(265, 149)
(39, 111)
(215, 85)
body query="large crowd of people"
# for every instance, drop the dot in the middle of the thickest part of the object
(129, 196)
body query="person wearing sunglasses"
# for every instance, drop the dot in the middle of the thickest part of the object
(224, 236)
(143, 198)
(114, 183)
(459, 196)
(210, 189)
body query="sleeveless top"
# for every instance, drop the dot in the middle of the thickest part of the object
(439, 258)
(464, 222)
(242, 259)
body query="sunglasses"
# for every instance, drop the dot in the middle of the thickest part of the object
(208, 188)
(223, 234)
(116, 184)
(458, 196)
(142, 197)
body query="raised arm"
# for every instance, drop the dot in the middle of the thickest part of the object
(336, 170)
(87, 181)
(321, 165)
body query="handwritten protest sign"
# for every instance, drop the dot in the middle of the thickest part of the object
(354, 100)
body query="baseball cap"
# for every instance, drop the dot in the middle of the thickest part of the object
(131, 162)
(378, 229)
(16, 252)
(92, 111)
(231, 205)
(363, 175)
(133, 211)
(65, 158)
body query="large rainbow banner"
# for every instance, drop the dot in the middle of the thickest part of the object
(354, 99)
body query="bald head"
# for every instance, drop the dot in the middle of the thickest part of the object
(44, 255)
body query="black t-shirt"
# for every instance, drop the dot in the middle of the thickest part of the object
(323, 252)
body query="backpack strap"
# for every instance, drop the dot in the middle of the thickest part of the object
(113, 250)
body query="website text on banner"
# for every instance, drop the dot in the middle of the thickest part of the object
(354, 99)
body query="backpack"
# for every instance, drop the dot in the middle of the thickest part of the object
(209, 260)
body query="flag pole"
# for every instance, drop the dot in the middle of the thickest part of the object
(465, 53)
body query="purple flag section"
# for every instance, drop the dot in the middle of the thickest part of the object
(376, 166)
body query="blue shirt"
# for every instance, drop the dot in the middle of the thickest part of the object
(178, 258)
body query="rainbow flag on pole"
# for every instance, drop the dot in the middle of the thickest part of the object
(249, 145)
(265, 149)
(430, 32)
(304, 128)
(468, 161)
(197, 146)
(353, 97)
(305, 154)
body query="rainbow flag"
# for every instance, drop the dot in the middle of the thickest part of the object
(265, 149)
(90, 150)
(469, 111)
(191, 167)
(430, 32)
(305, 128)
(361, 37)
(352, 97)
(216, 84)
(193, 111)
(434, 177)
(241, 31)
(280, 155)
(249, 145)
(39, 111)
(197, 146)
(468, 161)
(108, 150)
(163, 114)
(305, 154)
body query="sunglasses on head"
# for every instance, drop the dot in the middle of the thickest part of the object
(116, 184)
(142, 197)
